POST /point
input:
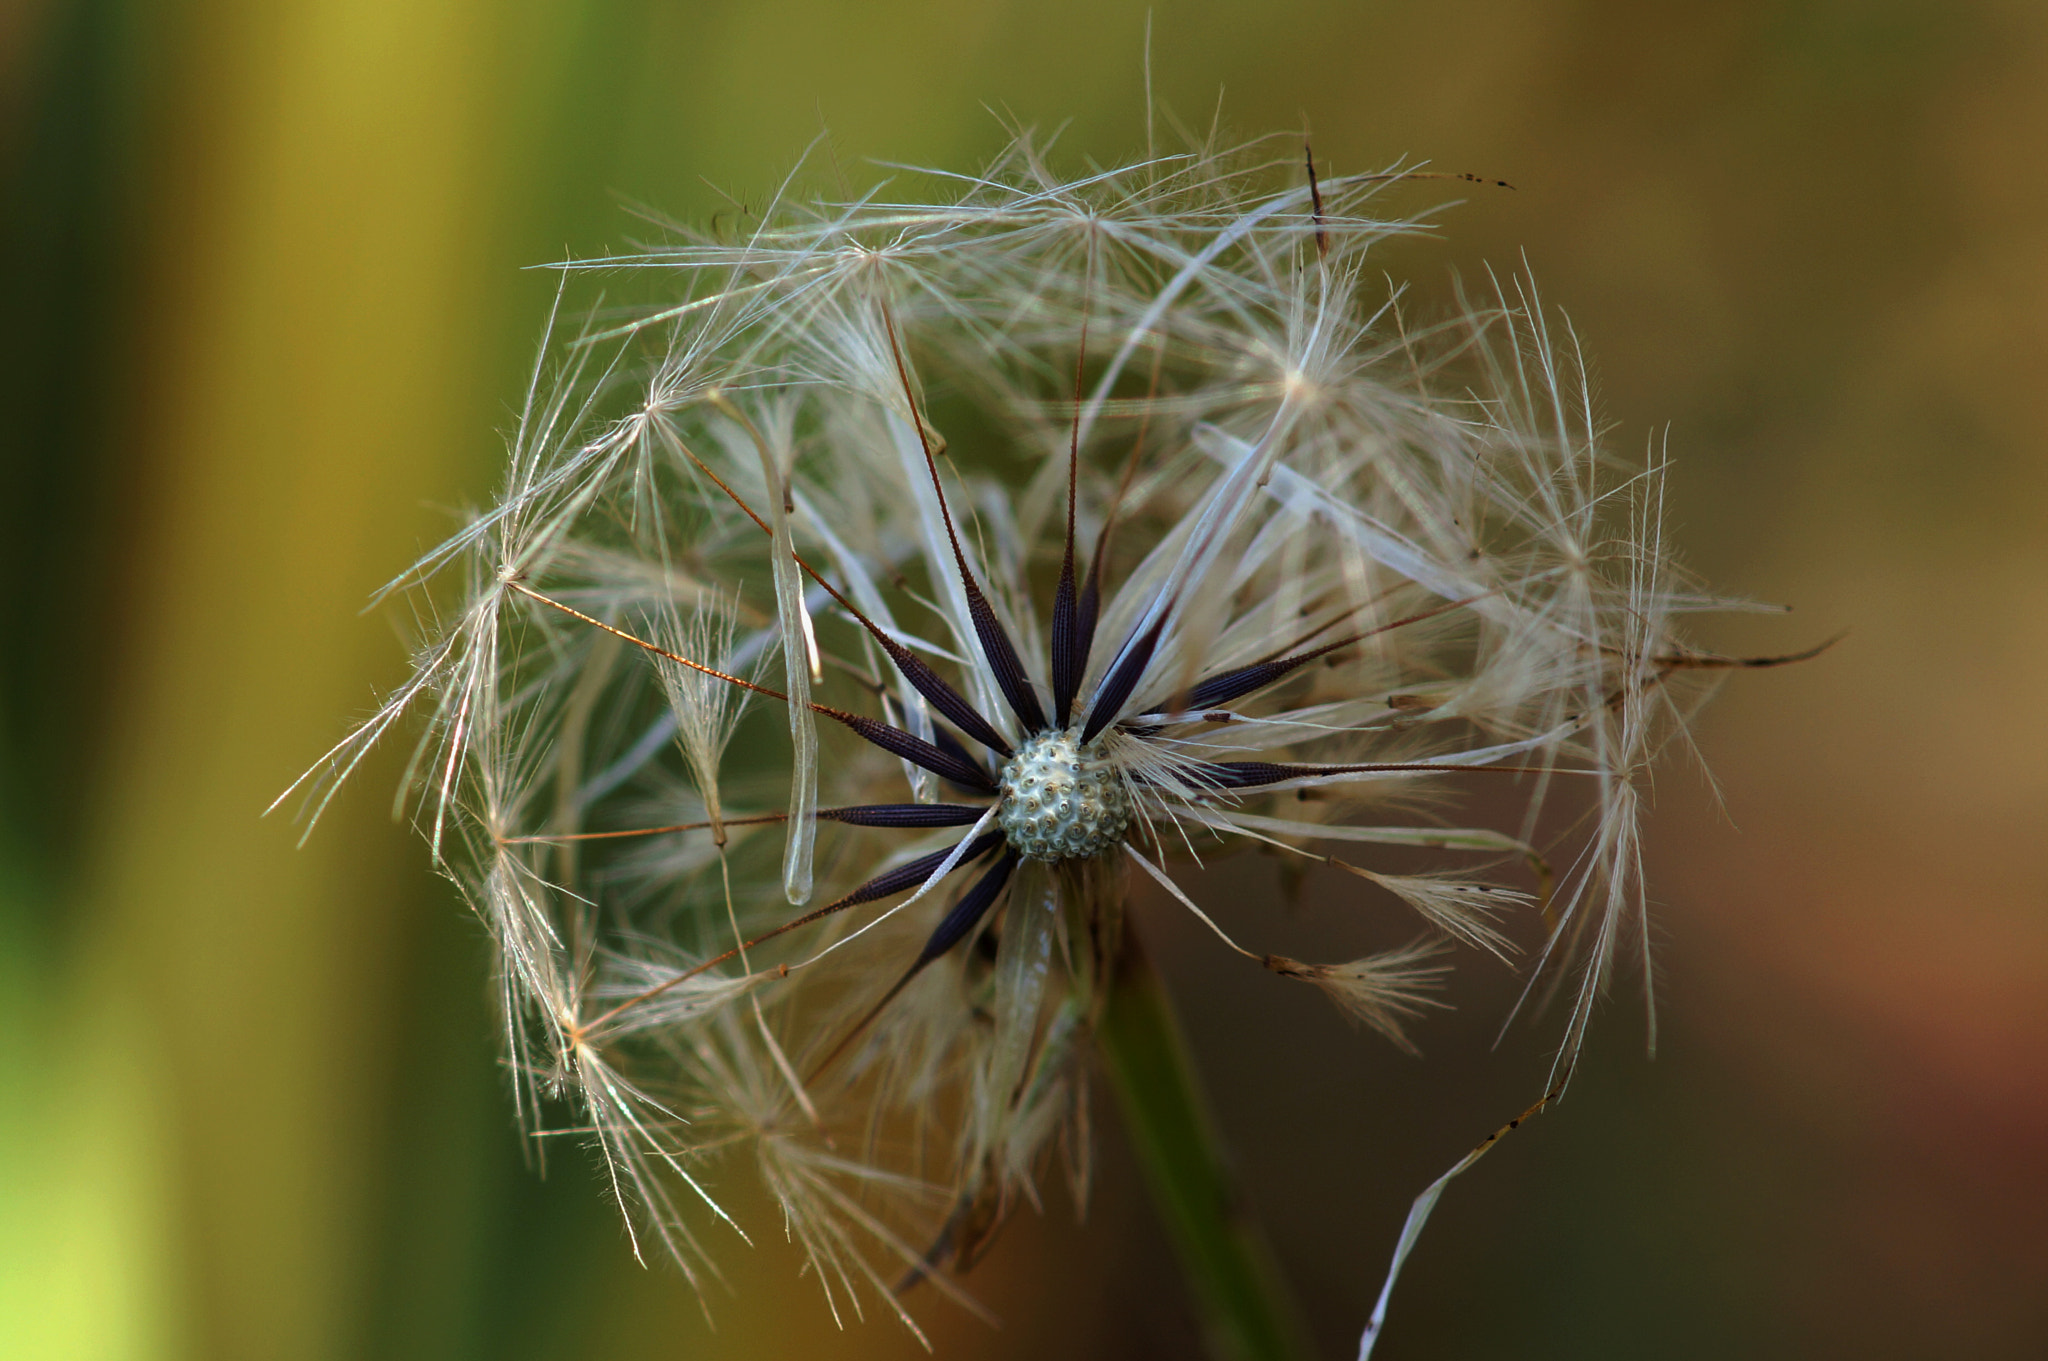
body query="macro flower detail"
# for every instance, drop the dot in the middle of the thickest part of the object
(1073, 530)
(1062, 799)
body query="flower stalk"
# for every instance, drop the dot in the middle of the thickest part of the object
(1239, 1295)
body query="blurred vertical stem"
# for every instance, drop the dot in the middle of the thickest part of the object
(1243, 1304)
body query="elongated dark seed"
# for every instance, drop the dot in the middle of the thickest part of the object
(905, 814)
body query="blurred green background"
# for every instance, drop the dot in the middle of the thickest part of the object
(263, 315)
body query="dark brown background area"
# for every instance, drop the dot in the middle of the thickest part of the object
(264, 315)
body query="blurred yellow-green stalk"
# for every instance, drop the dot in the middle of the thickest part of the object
(262, 313)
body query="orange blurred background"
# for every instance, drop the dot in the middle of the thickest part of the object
(264, 316)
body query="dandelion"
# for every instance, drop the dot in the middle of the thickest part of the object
(1075, 529)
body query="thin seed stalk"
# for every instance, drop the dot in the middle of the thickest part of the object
(1239, 1295)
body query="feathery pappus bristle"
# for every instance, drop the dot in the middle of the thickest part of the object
(1381, 991)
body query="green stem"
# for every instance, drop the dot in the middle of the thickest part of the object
(1243, 1304)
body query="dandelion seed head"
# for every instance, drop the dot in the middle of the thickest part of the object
(1077, 525)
